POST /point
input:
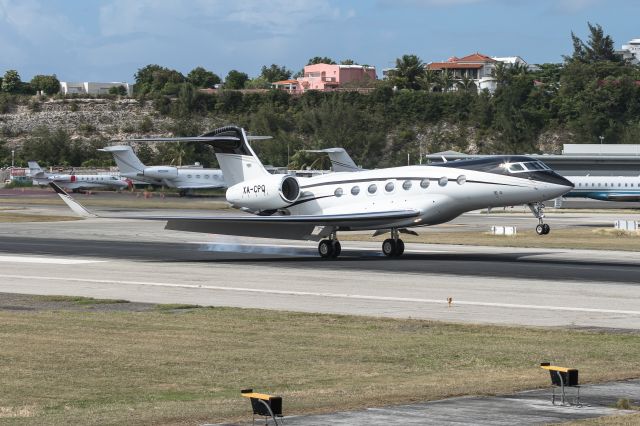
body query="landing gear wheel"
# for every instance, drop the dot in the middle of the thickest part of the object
(389, 247)
(546, 229)
(325, 249)
(336, 249)
(540, 229)
(399, 247)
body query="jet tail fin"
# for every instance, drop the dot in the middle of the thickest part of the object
(341, 161)
(34, 168)
(76, 207)
(128, 162)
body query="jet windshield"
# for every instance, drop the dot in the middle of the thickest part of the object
(525, 166)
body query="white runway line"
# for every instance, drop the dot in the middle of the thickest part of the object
(327, 295)
(47, 260)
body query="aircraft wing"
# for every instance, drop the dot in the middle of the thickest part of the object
(302, 227)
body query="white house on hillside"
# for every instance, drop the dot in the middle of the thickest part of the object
(631, 51)
(92, 88)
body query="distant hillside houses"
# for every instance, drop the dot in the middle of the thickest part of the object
(631, 51)
(326, 77)
(92, 88)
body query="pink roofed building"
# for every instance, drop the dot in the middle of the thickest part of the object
(329, 77)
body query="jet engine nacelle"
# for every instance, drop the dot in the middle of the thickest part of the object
(160, 172)
(268, 193)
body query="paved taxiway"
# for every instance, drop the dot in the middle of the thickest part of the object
(139, 261)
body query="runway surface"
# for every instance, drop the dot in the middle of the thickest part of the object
(139, 261)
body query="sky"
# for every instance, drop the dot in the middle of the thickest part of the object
(109, 40)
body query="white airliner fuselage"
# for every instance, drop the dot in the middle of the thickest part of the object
(606, 188)
(76, 182)
(183, 179)
(383, 200)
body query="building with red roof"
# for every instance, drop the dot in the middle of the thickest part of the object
(477, 67)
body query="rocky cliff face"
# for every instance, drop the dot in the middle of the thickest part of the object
(83, 118)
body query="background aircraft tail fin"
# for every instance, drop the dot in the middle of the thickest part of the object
(34, 168)
(341, 161)
(127, 161)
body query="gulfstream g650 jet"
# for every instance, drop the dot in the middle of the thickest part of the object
(383, 200)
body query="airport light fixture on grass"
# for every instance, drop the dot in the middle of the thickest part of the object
(186, 366)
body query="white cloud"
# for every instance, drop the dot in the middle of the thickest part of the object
(276, 17)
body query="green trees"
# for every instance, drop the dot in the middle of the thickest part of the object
(11, 82)
(408, 73)
(599, 47)
(200, 77)
(156, 79)
(321, 60)
(118, 90)
(235, 80)
(275, 73)
(49, 84)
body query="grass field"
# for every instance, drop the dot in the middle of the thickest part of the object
(187, 366)
(584, 238)
(25, 217)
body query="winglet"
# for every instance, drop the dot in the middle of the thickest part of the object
(73, 204)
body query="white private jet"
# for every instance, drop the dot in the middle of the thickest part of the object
(383, 200)
(183, 179)
(606, 188)
(76, 182)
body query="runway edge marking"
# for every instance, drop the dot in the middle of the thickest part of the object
(328, 295)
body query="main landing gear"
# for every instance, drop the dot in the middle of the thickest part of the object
(391, 247)
(394, 246)
(538, 211)
(331, 248)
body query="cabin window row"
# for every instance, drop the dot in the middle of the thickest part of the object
(606, 185)
(406, 185)
(198, 176)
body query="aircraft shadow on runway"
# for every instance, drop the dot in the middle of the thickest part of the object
(518, 265)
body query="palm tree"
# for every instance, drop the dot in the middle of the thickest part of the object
(409, 71)
(466, 83)
(500, 73)
(446, 80)
(429, 80)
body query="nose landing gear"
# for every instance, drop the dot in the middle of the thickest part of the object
(538, 211)
(394, 246)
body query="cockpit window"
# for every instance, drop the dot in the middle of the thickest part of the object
(536, 165)
(528, 166)
(516, 167)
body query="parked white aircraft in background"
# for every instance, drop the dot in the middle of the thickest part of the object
(182, 179)
(605, 188)
(391, 200)
(76, 182)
